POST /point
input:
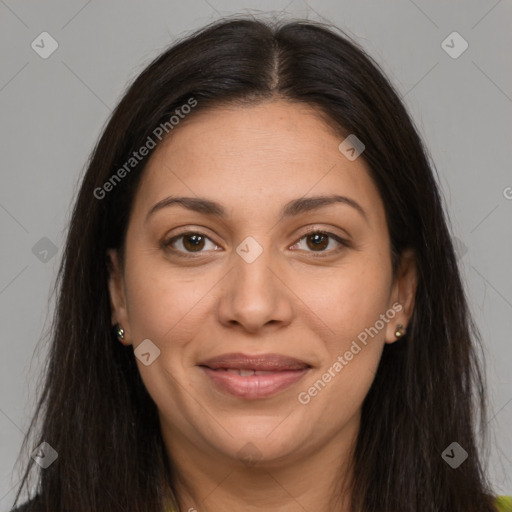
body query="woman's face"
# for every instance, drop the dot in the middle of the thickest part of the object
(250, 289)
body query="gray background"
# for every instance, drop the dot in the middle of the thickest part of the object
(52, 111)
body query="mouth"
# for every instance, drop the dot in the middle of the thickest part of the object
(253, 377)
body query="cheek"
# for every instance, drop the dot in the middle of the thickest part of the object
(162, 301)
(357, 296)
(352, 346)
(354, 300)
(167, 307)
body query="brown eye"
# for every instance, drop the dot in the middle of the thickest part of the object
(193, 242)
(317, 241)
(186, 244)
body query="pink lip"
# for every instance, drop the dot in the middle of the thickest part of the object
(255, 386)
(285, 372)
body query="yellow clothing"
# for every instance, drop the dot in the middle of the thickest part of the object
(504, 503)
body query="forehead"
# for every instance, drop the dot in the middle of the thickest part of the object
(254, 156)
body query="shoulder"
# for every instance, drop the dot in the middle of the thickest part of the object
(504, 503)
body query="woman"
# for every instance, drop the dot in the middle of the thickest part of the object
(259, 302)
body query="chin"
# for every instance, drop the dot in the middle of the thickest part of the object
(266, 443)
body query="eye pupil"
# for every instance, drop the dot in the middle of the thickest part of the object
(197, 240)
(322, 244)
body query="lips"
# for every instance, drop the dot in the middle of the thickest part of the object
(261, 362)
(253, 376)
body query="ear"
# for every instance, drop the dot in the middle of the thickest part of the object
(402, 296)
(117, 293)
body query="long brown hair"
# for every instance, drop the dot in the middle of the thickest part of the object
(94, 409)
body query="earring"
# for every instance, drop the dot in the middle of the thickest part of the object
(400, 331)
(119, 333)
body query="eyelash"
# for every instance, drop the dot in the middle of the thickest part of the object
(320, 254)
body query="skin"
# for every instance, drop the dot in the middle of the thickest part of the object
(253, 160)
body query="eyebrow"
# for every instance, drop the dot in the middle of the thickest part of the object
(290, 209)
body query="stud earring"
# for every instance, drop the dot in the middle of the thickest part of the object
(119, 333)
(400, 331)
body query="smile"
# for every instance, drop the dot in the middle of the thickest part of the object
(253, 376)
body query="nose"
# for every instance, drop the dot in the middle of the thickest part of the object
(255, 296)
